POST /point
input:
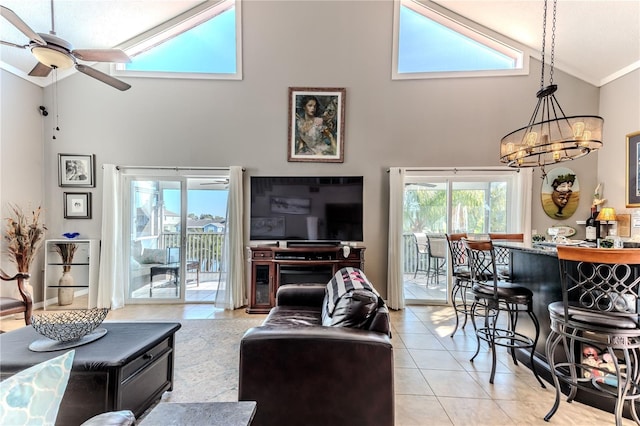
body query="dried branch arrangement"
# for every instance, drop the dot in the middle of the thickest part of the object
(24, 236)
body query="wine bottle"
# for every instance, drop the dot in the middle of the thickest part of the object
(593, 226)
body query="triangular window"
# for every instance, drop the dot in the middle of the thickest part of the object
(202, 43)
(430, 41)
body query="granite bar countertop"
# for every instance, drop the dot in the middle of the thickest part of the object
(535, 248)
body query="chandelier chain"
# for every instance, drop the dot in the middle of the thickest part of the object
(544, 38)
(550, 137)
(553, 41)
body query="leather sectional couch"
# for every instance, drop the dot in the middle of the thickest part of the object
(313, 362)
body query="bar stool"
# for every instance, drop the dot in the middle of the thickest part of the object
(461, 286)
(503, 254)
(437, 249)
(493, 298)
(597, 326)
(422, 253)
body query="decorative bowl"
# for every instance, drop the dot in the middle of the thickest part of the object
(69, 325)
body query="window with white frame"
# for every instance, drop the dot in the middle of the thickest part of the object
(204, 42)
(433, 42)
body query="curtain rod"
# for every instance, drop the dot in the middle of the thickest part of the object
(459, 169)
(172, 168)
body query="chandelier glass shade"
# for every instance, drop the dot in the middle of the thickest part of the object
(551, 137)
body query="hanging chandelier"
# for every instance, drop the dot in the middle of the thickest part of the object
(551, 136)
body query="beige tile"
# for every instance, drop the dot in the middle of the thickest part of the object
(402, 315)
(397, 341)
(414, 410)
(511, 386)
(532, 412)
(481, 363)
(402, 358)
(421, 341)
(459, 342)
(435, 360)
(409, 381)
(457, 384)
(469, 411)
(411, 327)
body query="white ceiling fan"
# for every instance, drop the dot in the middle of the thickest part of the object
(53, 52)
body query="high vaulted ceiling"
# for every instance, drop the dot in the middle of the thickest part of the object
(596, 40)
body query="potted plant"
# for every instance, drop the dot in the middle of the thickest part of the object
(24, 235)
(66, 252)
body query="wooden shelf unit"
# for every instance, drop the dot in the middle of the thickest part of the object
(84, 269)
(273, 266)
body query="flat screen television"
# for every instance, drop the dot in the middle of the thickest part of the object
(306, 208)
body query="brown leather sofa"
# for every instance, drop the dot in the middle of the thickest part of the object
(301, 372)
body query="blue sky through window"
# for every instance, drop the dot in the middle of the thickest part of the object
(199, 201)
(207, 48)
(427, 46)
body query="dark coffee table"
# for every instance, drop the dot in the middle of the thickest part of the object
(127, 369)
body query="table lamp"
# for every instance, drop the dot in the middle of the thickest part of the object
(606, 214)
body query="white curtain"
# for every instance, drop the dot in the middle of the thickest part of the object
(111, 282)
(525, 183)
(395, 294)
(231, 287)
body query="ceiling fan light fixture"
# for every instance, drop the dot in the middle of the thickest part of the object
(53, 58)
(53, 52)
(551, 137)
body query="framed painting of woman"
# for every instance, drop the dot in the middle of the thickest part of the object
(316, 124)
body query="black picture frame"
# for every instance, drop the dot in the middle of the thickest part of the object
(77, 205)
(633, 170)
(76, 170)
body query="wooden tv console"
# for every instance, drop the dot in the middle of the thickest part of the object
(272, 266)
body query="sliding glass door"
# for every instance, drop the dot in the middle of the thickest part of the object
(205, 231)
(439, 202)
(176, 229)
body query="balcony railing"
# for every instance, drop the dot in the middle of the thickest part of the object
(205, 247)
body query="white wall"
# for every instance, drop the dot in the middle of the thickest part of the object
(21, 160)
(620, 107)
(444, 122)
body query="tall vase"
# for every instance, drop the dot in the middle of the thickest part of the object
(65, 295)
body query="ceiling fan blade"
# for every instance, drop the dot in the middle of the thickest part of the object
(15, 20)
(101, 55)
(8, 43)
(105, 78)
(40, 70)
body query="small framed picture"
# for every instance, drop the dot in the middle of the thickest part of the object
(633, 170)
(316, 124)
(76, 170)
(77, 205)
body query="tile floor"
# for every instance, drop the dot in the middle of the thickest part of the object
(435, 384)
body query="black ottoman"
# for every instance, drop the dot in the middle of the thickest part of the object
(127, 369)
